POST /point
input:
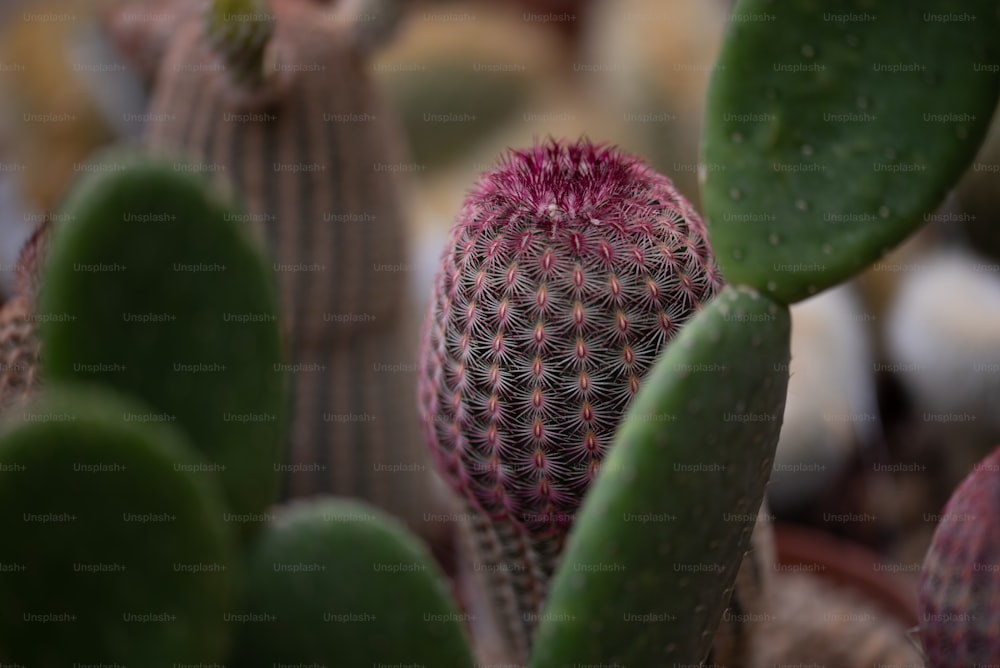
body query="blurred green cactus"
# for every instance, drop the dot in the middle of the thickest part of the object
(153, 287)
(340, 582)
(115, 546)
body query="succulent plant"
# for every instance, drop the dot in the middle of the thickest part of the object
(675, 503)
(837, 103)
(138, 235)
(115, 548)
(123, 516)
(324, 585)
(567, 271)
(313, 152)
(959, 591)
(609, 411)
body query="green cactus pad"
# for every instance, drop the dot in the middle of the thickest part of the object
(114, 550)
(651, 561)
(337, 582)
(152, 286)
(831, 130)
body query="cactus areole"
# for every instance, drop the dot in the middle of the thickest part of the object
(569, 267)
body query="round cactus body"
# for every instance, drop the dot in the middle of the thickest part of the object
(959, 585)
(569, 268)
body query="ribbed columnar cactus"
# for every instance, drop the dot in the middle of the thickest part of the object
(959, 585)
(568, 269)
(314, 153)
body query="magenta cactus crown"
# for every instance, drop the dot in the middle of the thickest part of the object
(568, 269)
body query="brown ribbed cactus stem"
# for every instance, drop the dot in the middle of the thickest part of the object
(516, 572)
(314, 154)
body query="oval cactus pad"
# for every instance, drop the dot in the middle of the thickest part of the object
(337, 582)
(152, 286)
(651, 561)
(114, 551)
(831, 130)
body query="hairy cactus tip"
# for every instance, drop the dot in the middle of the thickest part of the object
(568, 269)
(239, 31)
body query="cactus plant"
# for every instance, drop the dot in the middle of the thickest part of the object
(540, 279)
(312, 151)
(324, 580)
(139, 233)
(115, 548)
(117, 527)
(568, 269)
(721, 381)
(789, 210)
(959, 594)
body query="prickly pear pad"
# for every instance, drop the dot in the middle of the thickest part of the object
(831, 130)
(651, 561)
(337, 582)
(153, 286)
(114, 548)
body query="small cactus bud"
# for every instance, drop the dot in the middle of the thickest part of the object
(569, 268)
(239, 31)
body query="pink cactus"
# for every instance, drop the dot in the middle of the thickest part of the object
(569, 268)
(960, 580)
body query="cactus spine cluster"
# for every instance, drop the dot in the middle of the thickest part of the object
(239, 31)
(569, 267)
